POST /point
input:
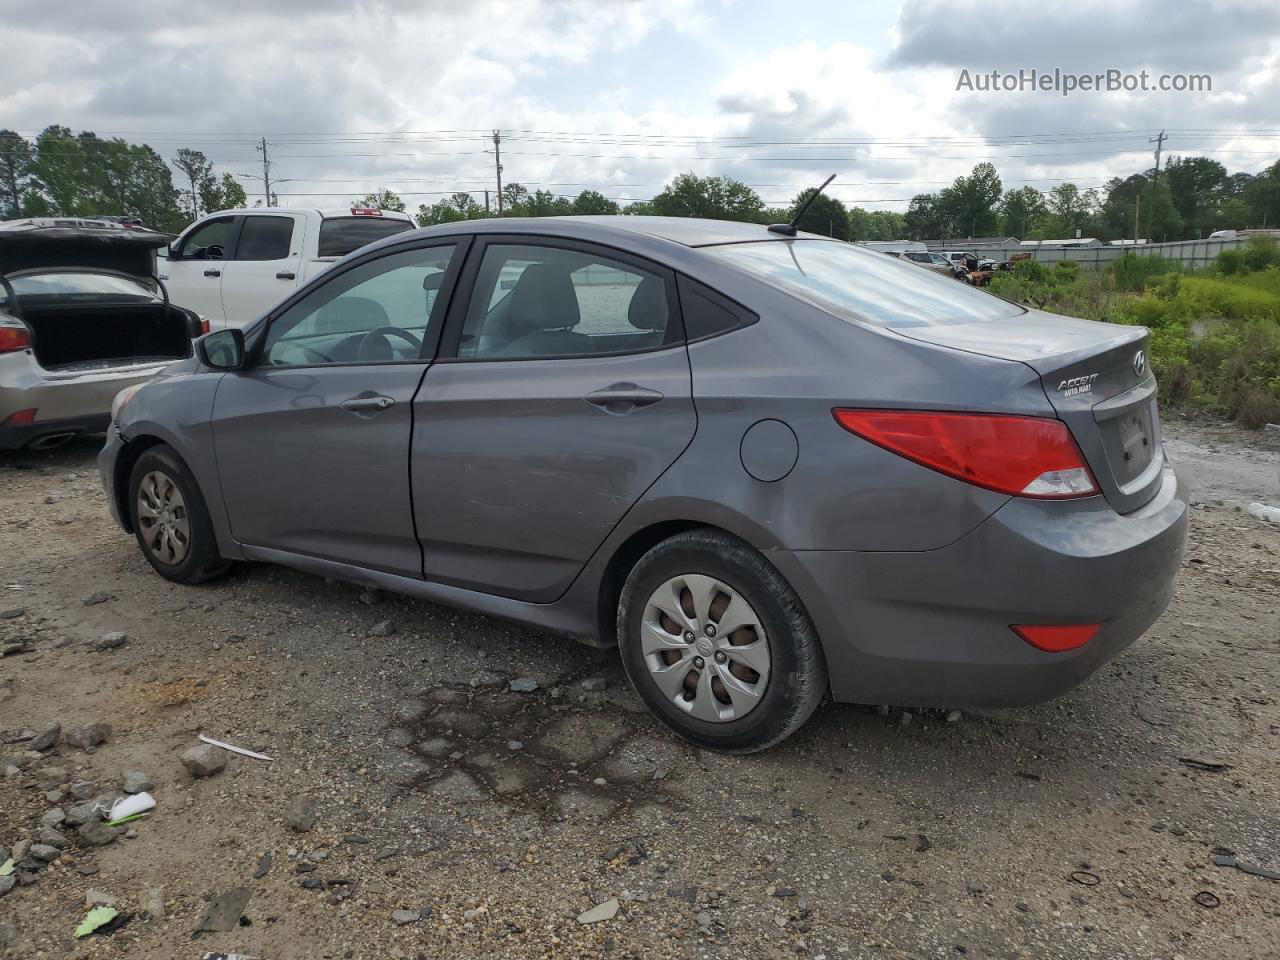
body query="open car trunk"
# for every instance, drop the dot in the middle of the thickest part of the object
(95, 335)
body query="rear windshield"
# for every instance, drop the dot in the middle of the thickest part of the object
(865, 285)
(340, 235)
(78, 288)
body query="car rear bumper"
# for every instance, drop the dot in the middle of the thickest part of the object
(74, 402)
(933, 628)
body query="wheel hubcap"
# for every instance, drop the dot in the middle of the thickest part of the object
(705, 648)
(162, 518)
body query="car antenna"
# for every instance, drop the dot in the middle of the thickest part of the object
(789, 229)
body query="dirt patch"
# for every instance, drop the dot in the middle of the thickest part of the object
(862, 836)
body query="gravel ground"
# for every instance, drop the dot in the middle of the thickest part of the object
(455, 816)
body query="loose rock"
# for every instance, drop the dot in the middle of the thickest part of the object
(109, 641)
(100, 596)
(95, 833)
(135, 781)
(403, 917)
(46, 738)
(600, 912)
(524, 685)
(300, 814)
(89, 736)
(153, 903)
(204, 760)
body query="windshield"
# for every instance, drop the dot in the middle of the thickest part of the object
(80, 288)
(864, 285)
(340, 235)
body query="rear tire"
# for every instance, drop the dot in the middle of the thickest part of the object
(736, 690)
(170, 519)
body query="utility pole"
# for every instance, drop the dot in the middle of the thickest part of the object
(1159, 142)
(266, 170)
(486, 203)
(1137, 206)
(497, 163)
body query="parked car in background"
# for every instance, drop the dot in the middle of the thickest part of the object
(933, 261)
(81, 318)
(763, 465)
(231, 266)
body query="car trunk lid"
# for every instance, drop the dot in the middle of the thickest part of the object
(1097, 378)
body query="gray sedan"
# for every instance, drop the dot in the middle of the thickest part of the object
(765, 466)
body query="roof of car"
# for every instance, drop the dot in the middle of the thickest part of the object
(687, 231)
(326, 213)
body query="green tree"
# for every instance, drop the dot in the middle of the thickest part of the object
(925, 220)
(969, 203)
(223, 194)
(195, 166)
(1262, 194)
(1021, 211)
(1196, 187)
(888, 225)
(16, 156)
(1119, 207)
(1070, 209)
(715, 198)
(826, 215)
(382, 199)
(1159, 219)
(513, 196)
(590, 203)
(60, 168)
(639, 208)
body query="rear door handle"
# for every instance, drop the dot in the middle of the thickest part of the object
(213, 273)
(286, 275)
(365, 404)
(620, 398)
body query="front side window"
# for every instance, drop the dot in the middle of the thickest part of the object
(855, 283)
(209, 241)
(377, 312)
(536, 301)
(265, 238)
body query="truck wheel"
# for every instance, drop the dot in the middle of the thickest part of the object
(170, 519)
(717, 644)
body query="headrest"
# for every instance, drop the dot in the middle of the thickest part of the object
(351, 315)
(544, 299)
(648, 309)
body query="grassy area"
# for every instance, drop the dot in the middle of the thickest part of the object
(1215, 335)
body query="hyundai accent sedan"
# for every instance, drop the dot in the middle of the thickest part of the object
(765, 466)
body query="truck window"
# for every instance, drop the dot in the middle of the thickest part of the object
(340, 235)
(265, 238)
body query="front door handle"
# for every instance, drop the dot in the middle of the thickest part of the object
(620, 398)
(286, 275)
(365, 404)
(213, 273)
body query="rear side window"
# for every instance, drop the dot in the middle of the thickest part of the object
(707, 313)
(340, 235)
(265, 238)
(859, 284)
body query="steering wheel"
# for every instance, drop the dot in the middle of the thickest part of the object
(404, 335)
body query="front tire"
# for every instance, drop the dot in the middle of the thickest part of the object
(170, 519)
(718, 645)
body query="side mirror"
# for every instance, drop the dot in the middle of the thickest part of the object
(223, 349)
(171, 251)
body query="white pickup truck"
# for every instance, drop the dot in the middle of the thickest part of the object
(232, 266)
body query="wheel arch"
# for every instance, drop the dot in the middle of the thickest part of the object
(129, 455)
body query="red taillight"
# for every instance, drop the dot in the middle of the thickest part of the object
(1020, 456)
(1056, 639)
(23, 418)
(14, 338)
(204, 326)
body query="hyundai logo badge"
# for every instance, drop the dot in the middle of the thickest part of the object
(1140, 362)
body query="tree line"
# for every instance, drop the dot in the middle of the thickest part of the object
(80, 174)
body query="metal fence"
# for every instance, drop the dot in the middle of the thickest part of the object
(1192, 254)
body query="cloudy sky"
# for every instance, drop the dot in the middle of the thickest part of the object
(620, 95)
